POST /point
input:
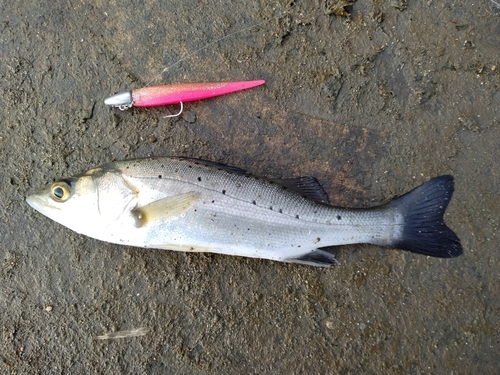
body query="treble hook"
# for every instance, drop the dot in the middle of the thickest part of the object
(177, 114)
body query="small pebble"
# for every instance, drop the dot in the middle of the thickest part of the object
(48, 308)
(189, 117)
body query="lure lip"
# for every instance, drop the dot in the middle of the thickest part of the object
(122, 99)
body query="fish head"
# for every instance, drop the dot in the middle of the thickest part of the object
(88, 203)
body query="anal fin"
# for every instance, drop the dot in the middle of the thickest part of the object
(318, 258)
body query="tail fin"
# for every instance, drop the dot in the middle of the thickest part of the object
(424, 229)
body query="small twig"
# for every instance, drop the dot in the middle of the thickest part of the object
(123, 334)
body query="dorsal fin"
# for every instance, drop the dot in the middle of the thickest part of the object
(307, 186)
(214, 164)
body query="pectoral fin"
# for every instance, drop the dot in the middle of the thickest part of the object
(166, 208)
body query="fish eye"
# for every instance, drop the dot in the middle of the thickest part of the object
(60, 191)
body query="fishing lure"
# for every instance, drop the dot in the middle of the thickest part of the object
(176, 94)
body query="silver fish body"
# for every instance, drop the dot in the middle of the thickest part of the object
(199, 206)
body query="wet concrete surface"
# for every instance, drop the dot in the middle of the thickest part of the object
(372, 105)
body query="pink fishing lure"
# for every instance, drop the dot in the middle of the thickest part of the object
(175, 94)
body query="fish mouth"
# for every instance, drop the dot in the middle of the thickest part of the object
(39, 204)
(34, 201)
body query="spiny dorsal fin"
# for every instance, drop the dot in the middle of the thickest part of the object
(214, 164)
(307, 186)
(166, 208)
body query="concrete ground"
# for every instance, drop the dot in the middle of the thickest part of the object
(372, 104)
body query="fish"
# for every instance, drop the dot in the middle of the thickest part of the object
(193, 205)
(176, 94)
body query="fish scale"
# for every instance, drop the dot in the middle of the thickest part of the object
(246, 188)
(200, 206)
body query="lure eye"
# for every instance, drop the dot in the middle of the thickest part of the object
(60, 191)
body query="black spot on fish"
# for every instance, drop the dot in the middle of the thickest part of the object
(213, 201)
(253, 202)
(224, 192)
(296, 216)
(199, 179)
(281, 211)
(271, 208)
(190, 166)
(159, 176)
(339, 217)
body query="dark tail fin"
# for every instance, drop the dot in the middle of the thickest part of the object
(424, 229)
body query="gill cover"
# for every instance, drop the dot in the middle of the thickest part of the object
(114, 195)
